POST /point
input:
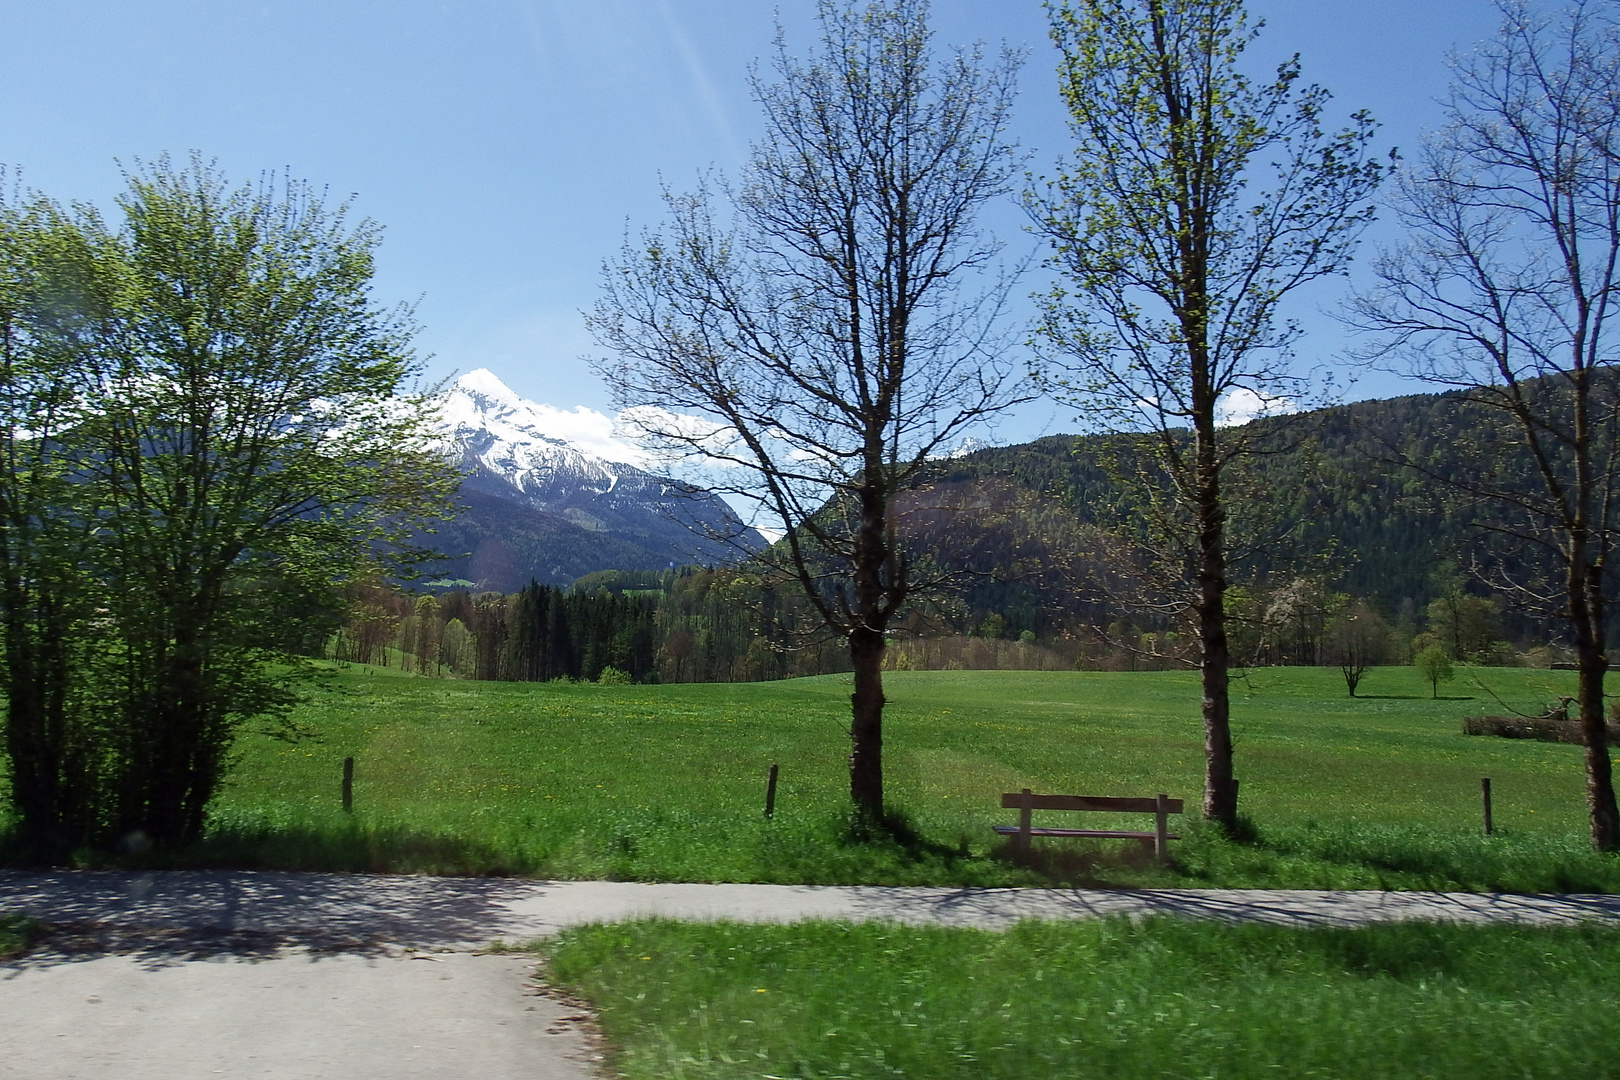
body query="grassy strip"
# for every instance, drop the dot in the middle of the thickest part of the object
(1106, 999)
(17, 933)
(667, 782)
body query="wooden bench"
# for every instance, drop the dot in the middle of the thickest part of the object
(1026, 801)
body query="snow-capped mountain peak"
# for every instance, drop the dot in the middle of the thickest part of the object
(479, 401)
(568, 466)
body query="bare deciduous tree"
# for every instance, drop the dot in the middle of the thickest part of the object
(1357, 639)
(1505, 287)
(819, 332)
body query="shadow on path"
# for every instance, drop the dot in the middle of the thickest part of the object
(998, 908)
(172, 916)
(178, 915)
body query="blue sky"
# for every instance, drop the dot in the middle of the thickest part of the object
(505, 144)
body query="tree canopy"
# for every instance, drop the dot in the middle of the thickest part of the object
(207, 433)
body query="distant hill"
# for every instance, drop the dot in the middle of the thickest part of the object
(1367, 526)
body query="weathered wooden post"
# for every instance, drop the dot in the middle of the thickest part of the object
(1161, 830)
(1485, 801)
(770, 793)
(348, 784)
(1024, 808)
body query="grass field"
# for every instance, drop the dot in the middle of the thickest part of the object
(667, 782)
(1104, 999)
(16, 933)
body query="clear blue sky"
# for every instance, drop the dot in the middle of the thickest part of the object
(505, 144)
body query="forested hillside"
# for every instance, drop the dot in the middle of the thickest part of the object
(1333, 501)
(1039, 552)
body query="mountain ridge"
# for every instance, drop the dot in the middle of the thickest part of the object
(536, 506)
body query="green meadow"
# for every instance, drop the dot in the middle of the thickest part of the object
(668, 782)
(1098, 1000)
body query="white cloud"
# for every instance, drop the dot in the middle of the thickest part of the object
(1243, 405)
(593, 432)
(650, 424)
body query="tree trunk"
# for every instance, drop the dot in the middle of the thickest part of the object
(866, 643)
(1220, 789)
(33, 749)
(51, 789)
(866, 724)
(1587, 597)
(1600, 798)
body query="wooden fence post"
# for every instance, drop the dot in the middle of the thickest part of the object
(348, 784)
(770, 793)
(1485, 801)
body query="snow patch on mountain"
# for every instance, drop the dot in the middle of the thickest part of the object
(562, 483)
(479, 402)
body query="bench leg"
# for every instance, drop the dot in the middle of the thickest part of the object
(1023, 823)
(1160, 830)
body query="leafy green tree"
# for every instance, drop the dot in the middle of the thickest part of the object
(612, 676)
(54, 305)
(1469, 626)
(810, 335)
(243, 449)
(458, 650)
(1176, 254)
(1504, 287)
(1435, 665)
(426, 635)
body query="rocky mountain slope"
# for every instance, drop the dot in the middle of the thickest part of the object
(537, 507)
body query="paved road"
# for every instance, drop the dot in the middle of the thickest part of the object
(352, 911)
(292, 1015)
(205, 973)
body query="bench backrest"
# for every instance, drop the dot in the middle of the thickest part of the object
(1014, 800)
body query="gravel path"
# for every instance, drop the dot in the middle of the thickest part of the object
(206, 973)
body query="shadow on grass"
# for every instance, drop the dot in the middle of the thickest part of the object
(18, 933)
(897, 832)
(1079, 864)
(348, 849)
(1391, 857)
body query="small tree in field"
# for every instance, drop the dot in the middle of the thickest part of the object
(1434, 664)
(1358, 639)
(809, 336)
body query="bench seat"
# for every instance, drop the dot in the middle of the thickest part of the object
(1106, 834)
(1027, 801)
